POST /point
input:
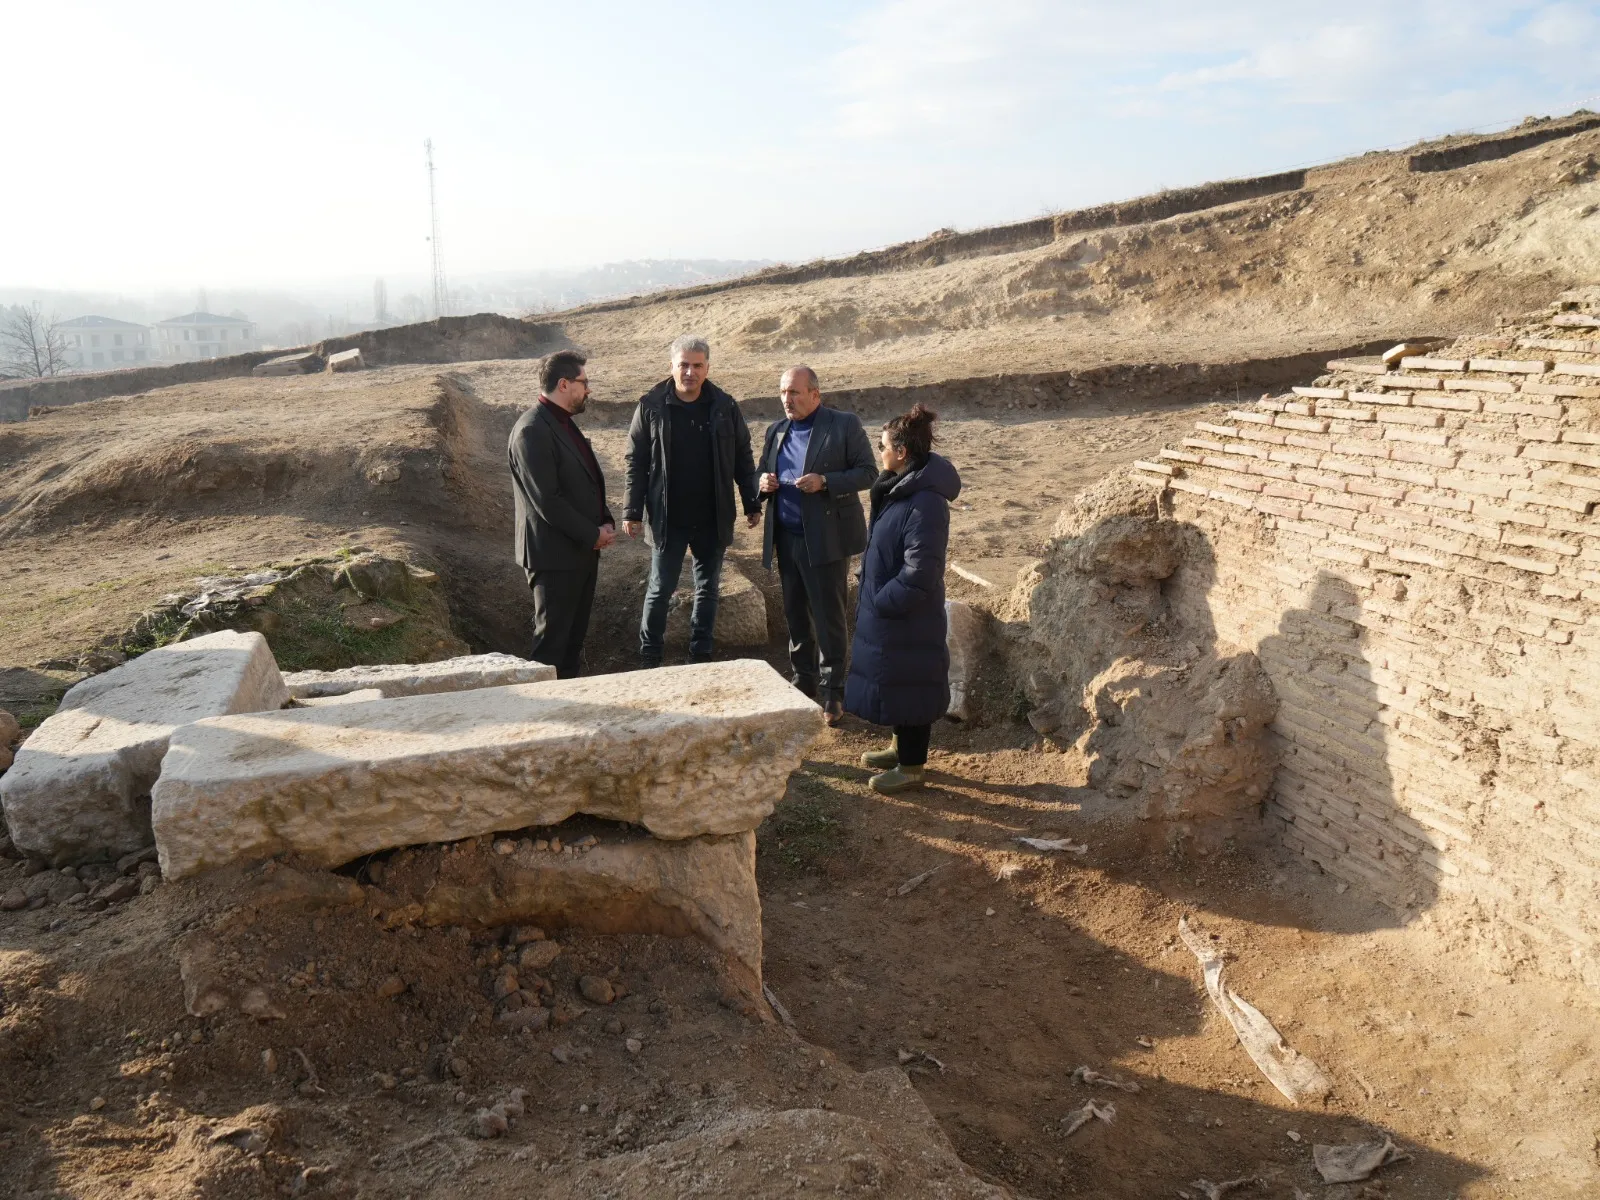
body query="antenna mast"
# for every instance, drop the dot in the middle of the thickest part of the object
(441, 294)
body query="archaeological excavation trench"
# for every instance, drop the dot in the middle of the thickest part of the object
(1274, 668)
(1186, 711)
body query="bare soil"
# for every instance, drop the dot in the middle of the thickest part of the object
(988, 984)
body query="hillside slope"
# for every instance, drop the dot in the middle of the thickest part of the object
(1365, 249)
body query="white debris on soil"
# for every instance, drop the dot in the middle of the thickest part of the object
(1354, 1163)
(1090, 1111)
(1049, 844)
(1292, 1073)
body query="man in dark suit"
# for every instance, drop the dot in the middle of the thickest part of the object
(813, 463)
(562, 519)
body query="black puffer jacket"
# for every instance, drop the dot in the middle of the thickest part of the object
(649, 459)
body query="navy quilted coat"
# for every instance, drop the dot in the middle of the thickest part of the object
(899, 662)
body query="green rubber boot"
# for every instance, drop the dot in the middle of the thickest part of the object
(897, 779)
(882, 760)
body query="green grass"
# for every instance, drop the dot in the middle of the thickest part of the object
(806, 830)
(312, 637)
(161, 629)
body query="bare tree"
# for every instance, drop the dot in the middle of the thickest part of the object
(32, 345)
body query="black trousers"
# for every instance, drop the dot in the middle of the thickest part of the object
(814, 611)
(561, 604)
(911, 744)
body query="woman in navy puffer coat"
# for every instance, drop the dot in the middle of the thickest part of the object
(899, 662)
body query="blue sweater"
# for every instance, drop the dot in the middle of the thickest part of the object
(792, 465)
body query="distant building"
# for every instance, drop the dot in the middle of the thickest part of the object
(204, 335)
(100, 343)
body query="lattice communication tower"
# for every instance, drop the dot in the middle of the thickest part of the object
(441, 293)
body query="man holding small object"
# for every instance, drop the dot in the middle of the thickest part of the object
(813, 463)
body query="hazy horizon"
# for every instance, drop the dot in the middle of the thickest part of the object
(282, 150)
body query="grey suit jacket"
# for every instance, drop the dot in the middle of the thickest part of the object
(561, 504)
(835, 526)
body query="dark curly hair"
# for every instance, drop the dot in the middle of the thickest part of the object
(913, 431)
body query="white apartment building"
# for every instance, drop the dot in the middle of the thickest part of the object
(204, 335)
(103, 344)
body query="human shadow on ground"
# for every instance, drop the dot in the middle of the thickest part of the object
(997, 976)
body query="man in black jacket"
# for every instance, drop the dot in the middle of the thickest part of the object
(562, 519)
(689, 449)
(813, 463)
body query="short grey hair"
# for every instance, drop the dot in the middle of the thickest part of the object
(811, 376)
(691, 343)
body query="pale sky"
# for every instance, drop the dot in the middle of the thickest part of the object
(232, 145)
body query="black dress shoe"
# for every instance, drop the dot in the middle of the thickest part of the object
(833, 712)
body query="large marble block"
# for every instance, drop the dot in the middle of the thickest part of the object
(79, 787)
(420, 679)
(682, 751)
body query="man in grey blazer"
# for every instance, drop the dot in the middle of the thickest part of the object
(813, 463)
(562, 519)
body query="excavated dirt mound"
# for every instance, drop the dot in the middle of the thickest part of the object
(104, 517)
(1166, 717)
(1365, 249)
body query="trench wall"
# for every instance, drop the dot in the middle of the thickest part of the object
(1502, 145)
(1415, 557)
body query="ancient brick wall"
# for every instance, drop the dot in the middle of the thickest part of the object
(1413, 554)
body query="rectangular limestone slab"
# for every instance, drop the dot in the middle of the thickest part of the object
(682, 751)
(420, 679)
(76, 791)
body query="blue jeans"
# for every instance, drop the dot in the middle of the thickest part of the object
(666, 567)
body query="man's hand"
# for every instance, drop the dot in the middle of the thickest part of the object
(608, 534)
(769, 483)
(632, 528)
(811, 483)
(752, 519)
